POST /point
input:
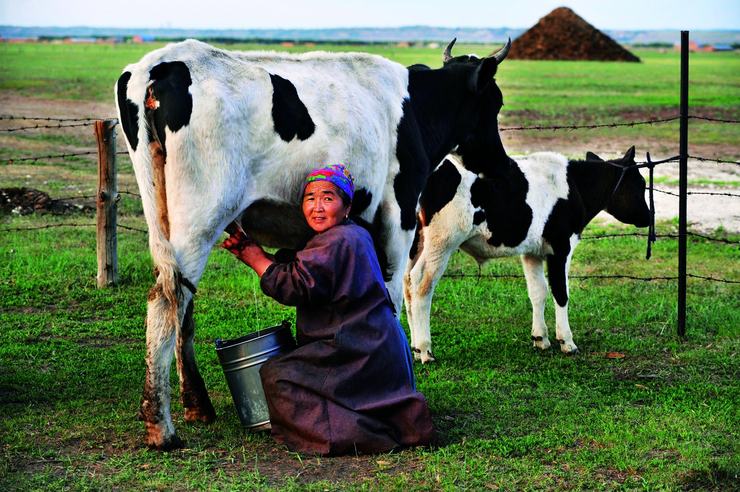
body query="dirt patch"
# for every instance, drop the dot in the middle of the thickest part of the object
(15, 104)
(25, 201)
(563, 35)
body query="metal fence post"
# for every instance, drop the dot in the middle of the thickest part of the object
(107, 199)
(683, 182)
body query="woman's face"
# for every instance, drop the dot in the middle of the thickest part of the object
(322, 206)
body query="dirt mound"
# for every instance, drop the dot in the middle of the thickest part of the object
(24, 201)
(563, 35)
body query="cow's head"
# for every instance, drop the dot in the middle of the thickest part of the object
(477, 125)
(458, 102)
(627, 203)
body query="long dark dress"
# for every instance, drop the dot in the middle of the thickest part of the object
(349, 386)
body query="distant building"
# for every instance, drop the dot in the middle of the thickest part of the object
(142, 38)
(695, 47)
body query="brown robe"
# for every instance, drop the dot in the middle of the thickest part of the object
(349, 386)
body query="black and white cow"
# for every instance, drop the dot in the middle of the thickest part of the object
(535, 206)
(217, 136)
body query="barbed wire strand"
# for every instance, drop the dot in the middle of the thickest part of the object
(718, 120)
(131, 228)
(46, 226)
(665, 236)
(35, 127)
(579, 127)
(707, 159)
(54, 156)
(712, 193)
(46, 118)
(457, 276)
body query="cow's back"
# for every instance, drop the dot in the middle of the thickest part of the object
(246, 105)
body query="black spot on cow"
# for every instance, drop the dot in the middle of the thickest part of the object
(414, 167)
(415, 243)
(169, 88)
(129, 111)
(440, 189)
(503, 199)
(479, 217)
(360, 202)
(289, 114)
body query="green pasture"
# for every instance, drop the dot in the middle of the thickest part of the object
(661, 416)
(535, 92)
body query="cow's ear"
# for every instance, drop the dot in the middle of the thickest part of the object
(483, 74)
(629, 156)
(590, 156)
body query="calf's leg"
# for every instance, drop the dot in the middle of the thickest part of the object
(557, 270)
(537, 289)
(423, 279)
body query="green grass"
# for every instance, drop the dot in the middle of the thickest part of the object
(507, 416)
(541, 92)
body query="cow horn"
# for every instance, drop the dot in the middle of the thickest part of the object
(501, 54)
(448, 50)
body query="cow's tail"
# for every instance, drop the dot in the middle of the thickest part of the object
(166, 268)
(149, 159)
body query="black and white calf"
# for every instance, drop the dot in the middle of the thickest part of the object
(217, 136)
(535, 207)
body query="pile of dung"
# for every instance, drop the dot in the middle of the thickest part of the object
(24, 201)
(563, 35)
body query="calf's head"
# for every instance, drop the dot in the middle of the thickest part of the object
(627, 203)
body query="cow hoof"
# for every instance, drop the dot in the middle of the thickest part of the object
(427, 357)
(416, 352)
(542, 343)
(205, 415)
(156, 440)
(568, 348)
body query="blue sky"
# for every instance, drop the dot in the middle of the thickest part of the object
(247, 14)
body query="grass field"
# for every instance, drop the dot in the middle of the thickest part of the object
(662, 417)
(534, 92)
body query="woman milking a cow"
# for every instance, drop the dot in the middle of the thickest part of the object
(348, 387)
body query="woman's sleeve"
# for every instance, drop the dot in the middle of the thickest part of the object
(310, 277)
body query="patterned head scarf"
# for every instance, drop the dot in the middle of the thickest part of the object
(336, 174)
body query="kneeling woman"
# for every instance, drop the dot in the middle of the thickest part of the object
(349, 386)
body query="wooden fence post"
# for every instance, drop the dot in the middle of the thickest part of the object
(107, 200)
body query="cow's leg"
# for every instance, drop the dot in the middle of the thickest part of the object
(192, 245)
(537, 289)
(408, 300)
(557, 270)
(423, 279)
(195, 401)
(407, 293)
(160, 343)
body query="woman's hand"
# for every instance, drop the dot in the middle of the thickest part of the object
(248, 251)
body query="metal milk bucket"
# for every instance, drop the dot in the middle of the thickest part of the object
(241, 359)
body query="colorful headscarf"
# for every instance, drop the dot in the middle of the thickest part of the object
(336, 174)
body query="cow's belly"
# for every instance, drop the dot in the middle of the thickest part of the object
(479, 248)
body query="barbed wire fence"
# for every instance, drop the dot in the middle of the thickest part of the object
(107, 195)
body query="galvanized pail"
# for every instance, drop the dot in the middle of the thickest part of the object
(241, 360)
